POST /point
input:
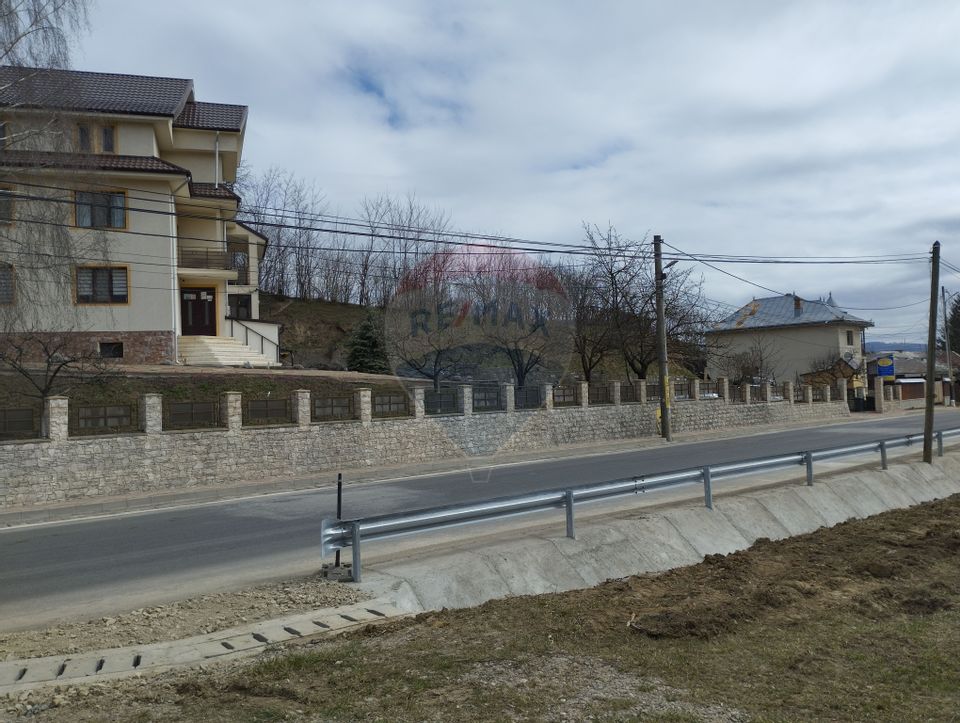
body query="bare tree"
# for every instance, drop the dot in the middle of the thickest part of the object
(761, 361)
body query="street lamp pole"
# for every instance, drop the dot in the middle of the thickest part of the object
(946, 343)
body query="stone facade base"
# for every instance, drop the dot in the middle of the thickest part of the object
(139, 347)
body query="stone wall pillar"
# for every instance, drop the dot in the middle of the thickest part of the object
(151, 413)
(419, 410)
(231, 411)
(547, 391)
(642, 387)
(842, 390)
(615, 393)
(747, 390)
(465, 399)
(55, 422)
(766, 392)
(937, 391)
(788, 392)
(723, 386)
(878, 399)
(695, 390)
(509, 400)
(826, 393)
(808, 393)
(584, 394)
(363, 401)
(888, 392)
(300, 406)
(898, 392)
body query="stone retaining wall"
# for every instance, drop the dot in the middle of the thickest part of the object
(61, 468)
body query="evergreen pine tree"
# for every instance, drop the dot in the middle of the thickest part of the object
(366, 351)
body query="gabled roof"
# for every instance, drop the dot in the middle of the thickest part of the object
(787, 310)
(85, 92)
(88, 162)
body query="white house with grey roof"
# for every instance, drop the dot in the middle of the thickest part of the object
(783, 338)
(143, 171)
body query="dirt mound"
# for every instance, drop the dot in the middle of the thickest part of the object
(848, 566)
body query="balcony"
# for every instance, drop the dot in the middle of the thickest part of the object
(203, 259)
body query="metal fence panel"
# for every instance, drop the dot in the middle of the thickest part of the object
(18, 424)
(566, 395)
(190, 415)
(333, 409)
(709, 390)
(629, 393)
(267, 411)
(653, 390)
(600, 394)
(103, 419)
(487, 398)
(528, 397)
(442, 401)
(681, 391)
(395, 404)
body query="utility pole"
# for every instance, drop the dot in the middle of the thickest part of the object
(931, 355)
(665, 387)
(946, 341)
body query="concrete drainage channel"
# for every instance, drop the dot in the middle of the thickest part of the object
(20, 675)
(530, 564)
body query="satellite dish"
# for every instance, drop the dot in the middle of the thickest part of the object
(848, 355)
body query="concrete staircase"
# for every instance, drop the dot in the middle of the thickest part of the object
(219, 351)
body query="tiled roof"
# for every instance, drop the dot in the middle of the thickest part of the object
(212, 116)
(88, 162)
(94, 92)
(786, 310)
(212, 190)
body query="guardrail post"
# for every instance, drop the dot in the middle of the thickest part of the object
(808, 461)
(883, 455)
(584, 394)
(419, 410)
(939, 444)
(509, 400)
(707, 488)
(568, 504)
(615, 393)
(355, 550)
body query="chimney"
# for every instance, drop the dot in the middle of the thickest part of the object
(797, 306)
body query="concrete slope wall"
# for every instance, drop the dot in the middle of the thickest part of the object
(657, 541)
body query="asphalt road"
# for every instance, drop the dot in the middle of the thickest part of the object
(102, 565)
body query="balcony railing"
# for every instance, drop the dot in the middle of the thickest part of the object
(203, 259)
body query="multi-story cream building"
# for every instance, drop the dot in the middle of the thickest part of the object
(124, 186)
(787, 338)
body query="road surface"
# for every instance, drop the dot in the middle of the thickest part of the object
(98, 566)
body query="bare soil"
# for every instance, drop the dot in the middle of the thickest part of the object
(857, 622)
(183, 619)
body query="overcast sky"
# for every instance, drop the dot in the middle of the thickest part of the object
(769, 128)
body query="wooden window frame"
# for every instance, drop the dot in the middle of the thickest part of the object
(104, 192)
(112, 267)
(113, 132)
(95, 137)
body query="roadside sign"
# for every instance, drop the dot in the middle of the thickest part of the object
(885, 367)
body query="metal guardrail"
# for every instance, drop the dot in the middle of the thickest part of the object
(339, 534)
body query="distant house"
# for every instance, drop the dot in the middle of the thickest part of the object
(140, 174)
(908, 370)
(788, 338)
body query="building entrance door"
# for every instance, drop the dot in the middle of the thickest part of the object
(198, 312)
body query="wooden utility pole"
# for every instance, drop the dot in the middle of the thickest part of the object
(946, 343)
(665, 388)
(931, 355)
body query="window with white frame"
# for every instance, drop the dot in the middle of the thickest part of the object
(102, 285)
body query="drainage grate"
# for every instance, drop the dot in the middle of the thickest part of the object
(376, 612)
(347, 617)
(99, 665)
(321, 625)
(293, 631)
(63, 667)
(137, 660)
(260, 638)
(23, 672)
(226, 645)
